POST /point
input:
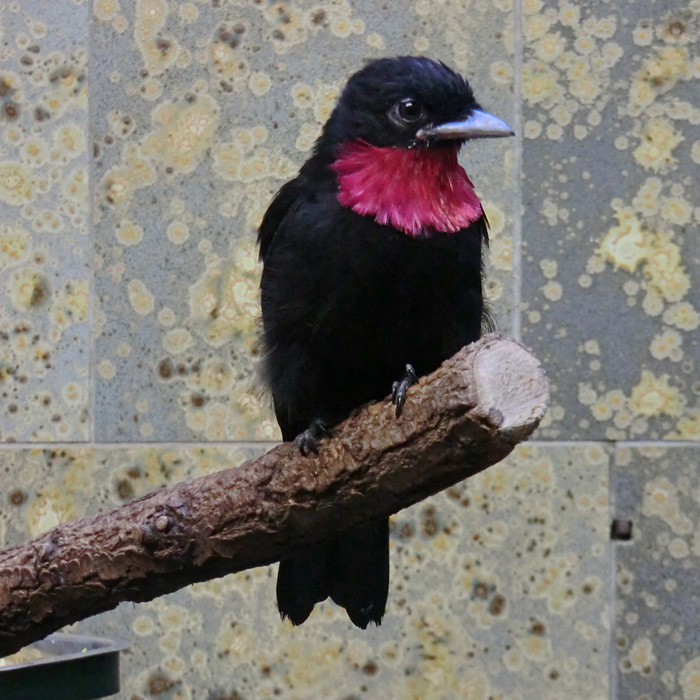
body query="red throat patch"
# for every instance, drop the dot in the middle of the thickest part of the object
(417, 191)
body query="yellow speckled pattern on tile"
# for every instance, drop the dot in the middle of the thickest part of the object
(45, 252)
(610, 257)
(657, 608)
(202, 112)
(499, 587)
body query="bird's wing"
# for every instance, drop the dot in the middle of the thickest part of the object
(284, 200)
(482, 226)
(488, 322)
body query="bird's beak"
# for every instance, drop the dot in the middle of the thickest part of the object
(479, 125)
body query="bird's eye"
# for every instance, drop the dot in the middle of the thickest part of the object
(407, 111)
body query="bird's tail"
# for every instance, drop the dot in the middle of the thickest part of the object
(353, 570)
(302, 581)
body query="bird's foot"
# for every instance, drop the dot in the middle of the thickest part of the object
(399, 389)
(308, 440)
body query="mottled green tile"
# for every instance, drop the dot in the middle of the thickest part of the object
(499, 588)
(45, 252)
(658, 603)
(200, 112)
(611, 208)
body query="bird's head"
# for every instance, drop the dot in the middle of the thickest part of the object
(392, 142)
(409, 102)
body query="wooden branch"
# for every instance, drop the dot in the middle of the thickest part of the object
(464, 417)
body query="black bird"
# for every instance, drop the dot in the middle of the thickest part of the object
(372, 275)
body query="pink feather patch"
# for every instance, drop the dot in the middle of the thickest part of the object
(417, 191)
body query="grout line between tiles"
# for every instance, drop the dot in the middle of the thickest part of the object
(612, 587)
(559, 444)
(92, 363)
(138, 445)
(517, 171)
(616, 443)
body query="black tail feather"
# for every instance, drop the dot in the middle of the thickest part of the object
(303, 581)
(353, 570)
(360, 580)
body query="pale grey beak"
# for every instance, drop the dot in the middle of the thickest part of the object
(479, 125)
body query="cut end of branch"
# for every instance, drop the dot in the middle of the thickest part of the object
(511, 386)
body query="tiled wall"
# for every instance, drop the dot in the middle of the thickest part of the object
(141, 141)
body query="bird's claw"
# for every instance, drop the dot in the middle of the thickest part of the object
(399, 389)
(308, 440)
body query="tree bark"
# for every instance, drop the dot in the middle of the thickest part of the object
(466, 416)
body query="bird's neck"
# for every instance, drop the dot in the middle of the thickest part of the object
(418, 191)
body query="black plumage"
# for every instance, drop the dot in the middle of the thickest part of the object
(347, 302)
